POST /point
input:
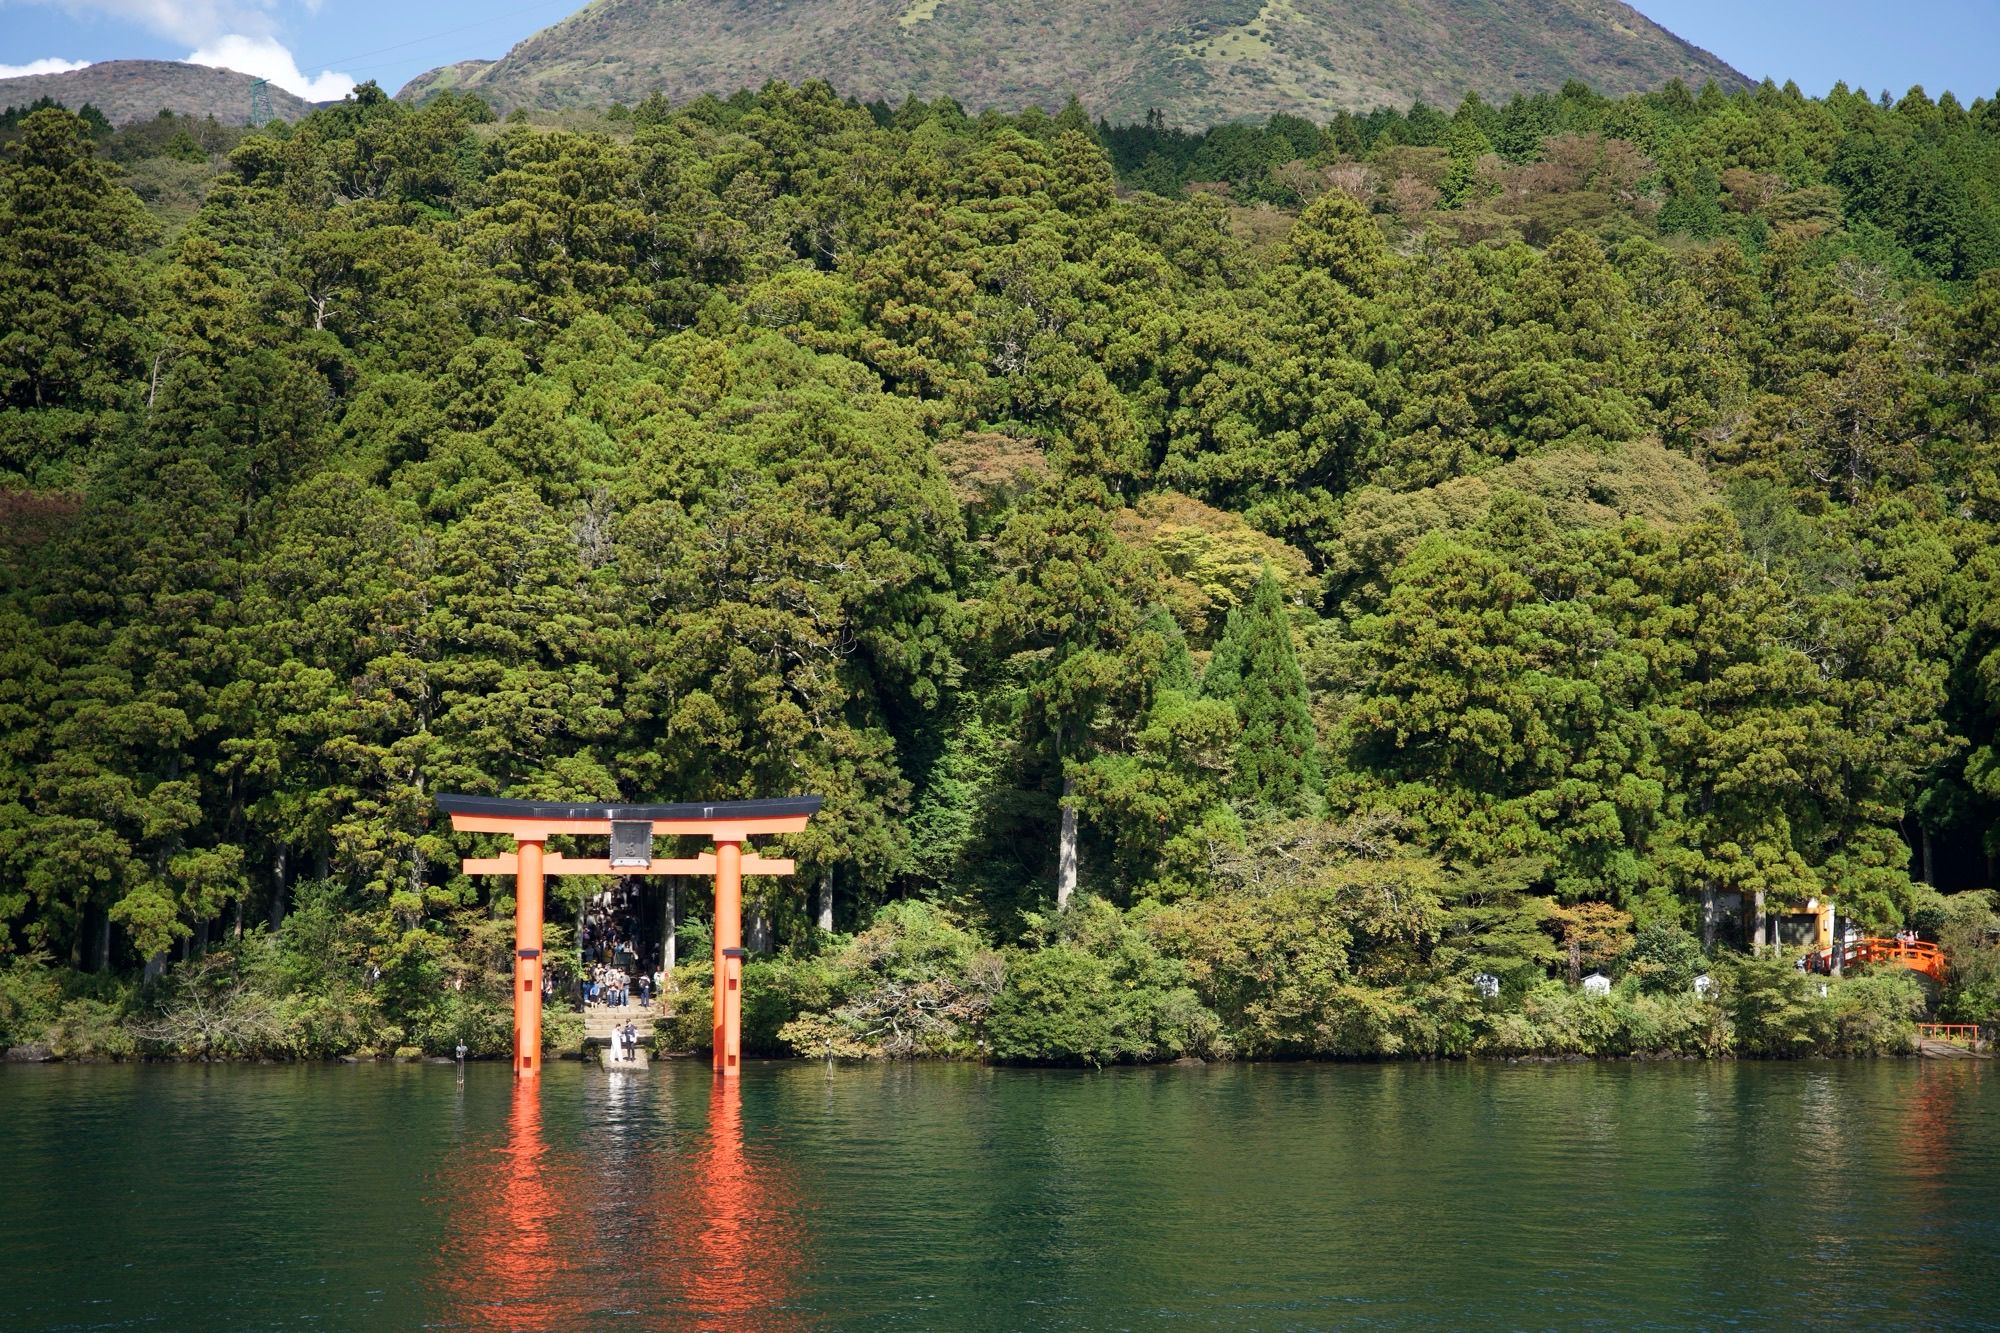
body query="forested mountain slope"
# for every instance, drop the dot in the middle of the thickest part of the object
(1198, 62)
(1553, 536)
(129, 90)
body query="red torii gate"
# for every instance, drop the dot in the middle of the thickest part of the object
(631, 828)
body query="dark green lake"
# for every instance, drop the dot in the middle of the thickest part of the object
(943, 1197)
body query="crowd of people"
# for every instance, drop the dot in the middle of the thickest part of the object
(615, 987)
(614, 971)
(604, 930)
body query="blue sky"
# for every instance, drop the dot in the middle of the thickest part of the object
(319, 47)
(1873, 44)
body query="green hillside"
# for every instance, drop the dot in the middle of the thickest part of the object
(1197, 61)
(1324, 617)
(130, 90)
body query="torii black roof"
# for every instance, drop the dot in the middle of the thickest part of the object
(772, 807)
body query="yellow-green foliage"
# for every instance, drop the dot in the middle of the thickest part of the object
(1556, 1019)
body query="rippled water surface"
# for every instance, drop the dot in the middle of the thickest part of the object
(1256, 1197)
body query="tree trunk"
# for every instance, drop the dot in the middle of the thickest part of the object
(1837, 950)
(669, 925)
(1757, 923)
(1066, 848)
(199, 945)
(278, 891)
(757, 930)
(101, 961)
(419, 866)
(1929, 877)
(154, 966)
(826, 900)
(1708, 904)
(1575, 962)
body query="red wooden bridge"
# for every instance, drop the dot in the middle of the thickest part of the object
(1917, 955)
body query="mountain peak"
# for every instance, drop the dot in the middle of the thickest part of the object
(1197, 61)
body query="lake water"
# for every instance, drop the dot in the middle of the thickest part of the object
(946, 1197)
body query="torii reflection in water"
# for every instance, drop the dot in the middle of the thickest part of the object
(714, 1241)
(502, 1262)
(729, 1236)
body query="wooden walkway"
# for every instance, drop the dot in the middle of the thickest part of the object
(1952, 1041)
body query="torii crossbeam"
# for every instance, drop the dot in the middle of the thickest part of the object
(631, 828)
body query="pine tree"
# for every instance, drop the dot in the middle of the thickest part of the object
(1064, 607)
(1256, 668)
(70, 294)
(1467, 146)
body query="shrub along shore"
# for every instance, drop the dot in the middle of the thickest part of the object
(1092, 987)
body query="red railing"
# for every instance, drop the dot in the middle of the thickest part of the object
(1917, 955)
(1955, 1032)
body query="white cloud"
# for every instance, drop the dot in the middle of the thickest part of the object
(193, 21)
(47, 65)
(266, 58)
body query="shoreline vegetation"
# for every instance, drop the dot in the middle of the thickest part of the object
(1283, 591)
(1086, 989)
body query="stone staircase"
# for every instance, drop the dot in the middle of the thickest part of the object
(599, 1019)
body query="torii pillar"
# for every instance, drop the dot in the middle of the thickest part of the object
(631, 828)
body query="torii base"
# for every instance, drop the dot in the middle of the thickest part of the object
(633, 1063)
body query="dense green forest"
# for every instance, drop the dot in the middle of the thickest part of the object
(1234, 590)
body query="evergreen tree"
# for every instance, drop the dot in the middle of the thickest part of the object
(1467, 145)
(70, 296)
(1064, 606)
(1256, 669)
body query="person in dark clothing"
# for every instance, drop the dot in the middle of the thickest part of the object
(645, 991)
(631, 1042)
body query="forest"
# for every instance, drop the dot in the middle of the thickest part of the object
(1281, 591)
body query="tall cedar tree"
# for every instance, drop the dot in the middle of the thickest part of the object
(70, 295)
(1256, 668)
